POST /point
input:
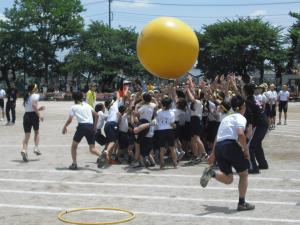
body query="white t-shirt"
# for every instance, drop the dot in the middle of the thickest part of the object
(101, 119)
(2, 93)
(82, 112)
(188, 113)
(146, 111)
(28, 105)
(213, 114)
(165, 119)
(150, 133)
(113, 112)
(123, 124)
(260, 98)
(198, 109)
(271, 97)
(180, 116)
(229, 125)
(283, 95)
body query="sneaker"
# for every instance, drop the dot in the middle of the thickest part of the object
(285, 123)
(147, 162)
(24, 156)
(36, 151)
(207, 174)
(253, 171)
(244, 207)
(7, 124)
(136, 164)
(1, 119)
(204, 157)
(73, 166)
(279, 123)
(101, 160)
(197, 160)
(180, 155)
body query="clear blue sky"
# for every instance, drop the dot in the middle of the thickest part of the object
(137, 13)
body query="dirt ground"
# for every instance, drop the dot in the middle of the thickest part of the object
(34, 193)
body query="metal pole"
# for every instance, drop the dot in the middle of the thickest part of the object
(109, 13)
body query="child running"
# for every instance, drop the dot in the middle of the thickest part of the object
(31, 118)
(87, 120)
(231, 150)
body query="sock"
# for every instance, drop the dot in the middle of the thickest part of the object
(241, 201)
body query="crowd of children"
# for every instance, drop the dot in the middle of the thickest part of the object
(180, 120)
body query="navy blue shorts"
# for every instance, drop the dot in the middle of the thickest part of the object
(166, 138)
(85, 130)
(31, 120)
(146, 146)
(123, 140)
(111, 130)
(100, 138)
(229, 154)
(283, 106)
(196, 126)
(1, 103)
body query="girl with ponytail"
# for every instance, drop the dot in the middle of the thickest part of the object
(31, 119)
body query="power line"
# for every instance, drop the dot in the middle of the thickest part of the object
(210, 5)
(94, 3)
(195, 17)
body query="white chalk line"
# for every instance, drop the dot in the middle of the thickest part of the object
(148, 197)
(144, 185)
(282, 135)
(159, 214)
(145, 174)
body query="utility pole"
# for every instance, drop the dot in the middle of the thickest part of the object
(109, 13)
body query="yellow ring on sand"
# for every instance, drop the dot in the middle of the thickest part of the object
(61, 216)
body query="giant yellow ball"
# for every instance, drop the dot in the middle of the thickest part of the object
(167, 47)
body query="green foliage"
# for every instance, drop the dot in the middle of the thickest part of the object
(102, 52)
(43, 28)
(240, 46)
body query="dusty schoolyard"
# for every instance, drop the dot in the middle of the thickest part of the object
(34, 193)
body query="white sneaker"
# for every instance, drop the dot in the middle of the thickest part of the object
(36, 151)
(24, 156)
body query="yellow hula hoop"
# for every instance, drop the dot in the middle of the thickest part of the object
(61, 216)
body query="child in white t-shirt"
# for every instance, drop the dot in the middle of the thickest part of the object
(87, 120)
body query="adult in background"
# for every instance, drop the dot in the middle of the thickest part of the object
(2, 95)
(91, 95)
(257, 127)
(283, 98)
(12, 93)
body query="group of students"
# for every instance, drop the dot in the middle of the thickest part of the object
(222, 122)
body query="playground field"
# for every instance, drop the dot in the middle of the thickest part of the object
(34, 193)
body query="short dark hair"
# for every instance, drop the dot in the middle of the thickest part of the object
(166, 102)
(249, 89)
(237, 102)
(99, 107)
(122, 109)
(181, 103)
(77, 96)
(147, 97)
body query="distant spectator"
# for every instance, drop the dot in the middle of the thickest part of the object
(11, 104)
(283, 98)
(91, 95)
(2, 95)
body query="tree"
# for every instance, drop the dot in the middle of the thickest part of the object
(294, 37)
(101, 52)
(47, 27)
(240, 46)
